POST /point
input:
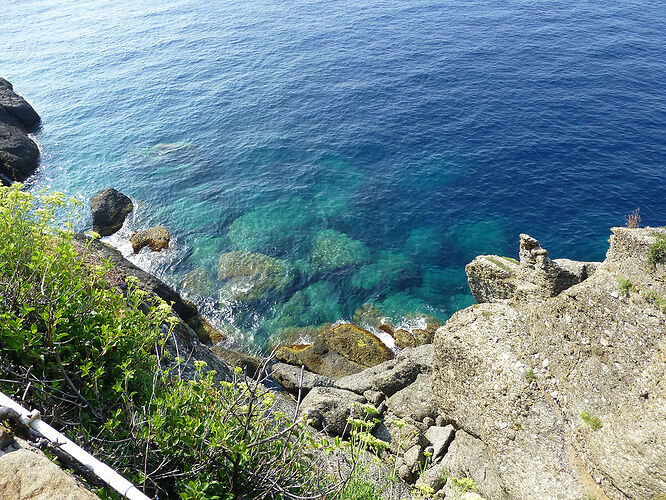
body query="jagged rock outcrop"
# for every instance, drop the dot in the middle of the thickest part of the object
(536, 277)
(565, 395)
(156, 238)
(19, 155)
(109, 209)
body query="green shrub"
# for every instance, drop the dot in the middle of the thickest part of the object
(657, 251)
(93, 360)
(624, 285)
(593, 422)
(654, 298)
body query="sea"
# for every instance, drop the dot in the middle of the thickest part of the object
(358, 154)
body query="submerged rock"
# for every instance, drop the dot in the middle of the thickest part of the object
(250, 276)
(156, 238)
(109, 210)
(316, 304)
(199, 281)
(334, 250)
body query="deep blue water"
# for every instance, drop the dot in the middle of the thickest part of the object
(400, 138)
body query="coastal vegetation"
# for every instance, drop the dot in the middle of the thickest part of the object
(92, 357)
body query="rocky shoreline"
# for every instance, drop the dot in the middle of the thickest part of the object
(552, 386)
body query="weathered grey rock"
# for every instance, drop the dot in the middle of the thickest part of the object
(289, 377)
(249, 364)
(529, 378)
(6, 83)
(26, 474)
(19, 155)
(415, 401)
(400, 434)
(441, 438)
(109, 210)
(156, 238)
(391, 376)
(413, 458)
(329, 408)
(500, 279)
(405, 473)
(374, 397)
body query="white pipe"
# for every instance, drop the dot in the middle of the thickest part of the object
(102, 471)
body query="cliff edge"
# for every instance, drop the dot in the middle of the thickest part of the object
(558, 375)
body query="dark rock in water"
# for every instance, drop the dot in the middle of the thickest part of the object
(6, 83)
(156, 238)
(19, 155)
(109, 210)
(19, 108)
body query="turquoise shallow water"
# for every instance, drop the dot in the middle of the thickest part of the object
(372, 148)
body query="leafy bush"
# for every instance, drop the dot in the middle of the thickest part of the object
(657, 251)
(93, 359)
(624, 285)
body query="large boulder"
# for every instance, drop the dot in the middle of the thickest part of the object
(391, 376)
(109, 210)
(298, 380)
(566, 393)
(329, 408)
(18, 107)
(156, 238)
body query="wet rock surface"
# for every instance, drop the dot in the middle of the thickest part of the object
(337, 351)
(156, 238)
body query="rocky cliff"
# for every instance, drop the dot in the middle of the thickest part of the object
(557, 377)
